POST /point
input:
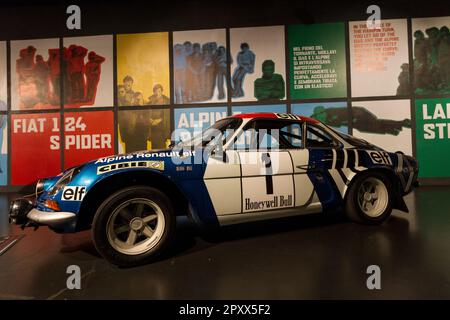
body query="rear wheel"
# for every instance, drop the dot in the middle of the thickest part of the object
(133, 226)
(369, 199)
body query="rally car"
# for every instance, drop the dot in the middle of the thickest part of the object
(244, 168)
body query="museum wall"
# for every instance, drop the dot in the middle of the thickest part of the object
(136, 73)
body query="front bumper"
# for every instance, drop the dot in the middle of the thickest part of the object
(24, 213)
(52, 219)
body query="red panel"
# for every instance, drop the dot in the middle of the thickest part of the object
(35, 147)
(88, 136)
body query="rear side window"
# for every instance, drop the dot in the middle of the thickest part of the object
(316, 137)
(292, 132)
(257, 137)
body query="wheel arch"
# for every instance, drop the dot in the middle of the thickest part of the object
(389, 173)
(107, 186)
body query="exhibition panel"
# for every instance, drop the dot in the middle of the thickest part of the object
(143, 75)
(87, 136)
(317, 61)
(379, 56)
(35, 136)
(35, 74)
(88, 72)
(318, 69)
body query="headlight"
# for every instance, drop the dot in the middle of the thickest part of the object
(64, 180)
(39, 187)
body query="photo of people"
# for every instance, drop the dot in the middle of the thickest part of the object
(35, 74)
(245, 65)
(258, 66)
(128, 97)
(200, 66)
(270, 86)
(3, 150)
(334, 114)
(88, 73)
(144, 130)
(3, 76)
(431, 51)
(143, 69)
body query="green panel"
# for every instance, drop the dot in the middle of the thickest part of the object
(433, 137)
(317, 61)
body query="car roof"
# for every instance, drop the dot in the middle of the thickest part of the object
(273, 115)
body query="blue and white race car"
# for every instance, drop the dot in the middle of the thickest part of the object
(244, 168)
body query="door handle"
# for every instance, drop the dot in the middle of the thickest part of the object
(307, 167)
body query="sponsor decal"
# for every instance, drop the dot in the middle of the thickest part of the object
(287, 116)
(143, 155)
(75, 193)
(183, 168)
(274, 203)
(156, 165)
(380, 157)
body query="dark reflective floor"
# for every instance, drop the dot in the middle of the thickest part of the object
(298, 258)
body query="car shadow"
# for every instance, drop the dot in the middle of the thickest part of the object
(270, 227)
(81, 241)
(191, 239)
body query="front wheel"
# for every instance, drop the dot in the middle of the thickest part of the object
(369, 199)
(133, 226)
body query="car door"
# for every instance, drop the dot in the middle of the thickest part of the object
(305, 195)
(327, 164)
(223, 182)
(266, 169)
(222, 174)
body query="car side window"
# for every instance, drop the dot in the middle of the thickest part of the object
(316, 137)
(293, 133)
(255, 138)
(270, 135)
(245, 140)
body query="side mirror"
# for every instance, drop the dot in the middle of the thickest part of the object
(173, 143)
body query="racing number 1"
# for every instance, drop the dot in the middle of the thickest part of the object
(265, 158)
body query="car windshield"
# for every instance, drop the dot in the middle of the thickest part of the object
(218, 131)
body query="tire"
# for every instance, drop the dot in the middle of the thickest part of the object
(133, 226)
(365, 209)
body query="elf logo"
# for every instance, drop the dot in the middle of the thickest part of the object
(73, 193)
(287, 116)
(380, 157)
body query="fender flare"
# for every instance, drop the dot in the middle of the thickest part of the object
(104, 187)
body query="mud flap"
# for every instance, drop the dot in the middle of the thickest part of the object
(400, 204)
